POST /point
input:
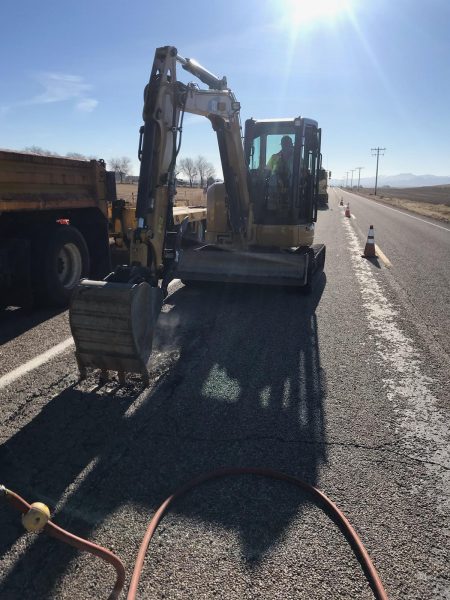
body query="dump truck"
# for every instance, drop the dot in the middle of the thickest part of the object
(260, 219)
(53, 226)
(59, 220)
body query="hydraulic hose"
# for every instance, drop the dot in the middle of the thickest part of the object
(319, 497)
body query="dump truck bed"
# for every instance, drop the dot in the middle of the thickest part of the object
(31, 182)
(193, 213)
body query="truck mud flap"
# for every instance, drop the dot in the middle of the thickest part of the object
(211, 263)
(113, 325)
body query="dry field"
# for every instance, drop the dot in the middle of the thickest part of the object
(430, 201)
(185, 196)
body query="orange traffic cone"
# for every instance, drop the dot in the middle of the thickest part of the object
(341, 203)
(347, 210)
(369, 250)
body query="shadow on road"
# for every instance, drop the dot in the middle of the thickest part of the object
(15, 321)
(373, 260)
(246, 390)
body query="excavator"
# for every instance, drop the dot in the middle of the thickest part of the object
(260, 220)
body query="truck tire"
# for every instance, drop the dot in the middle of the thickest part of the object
(61, 260)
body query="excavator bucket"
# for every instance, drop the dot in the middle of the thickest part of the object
(112, 325)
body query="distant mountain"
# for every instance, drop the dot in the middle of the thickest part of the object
(403, 180)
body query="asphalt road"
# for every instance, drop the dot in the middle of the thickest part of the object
(418, 248)
(347, 388)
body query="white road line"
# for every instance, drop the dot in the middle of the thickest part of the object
(421, 425)
(407, 215)
(34, 363)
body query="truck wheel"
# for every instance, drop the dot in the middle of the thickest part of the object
(62, 260)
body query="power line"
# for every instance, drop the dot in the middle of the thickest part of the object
(359, 174)
(377, 150)
(351, 185)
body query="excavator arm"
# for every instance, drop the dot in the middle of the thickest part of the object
(165, 101)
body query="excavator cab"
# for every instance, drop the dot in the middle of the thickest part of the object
(283, 159)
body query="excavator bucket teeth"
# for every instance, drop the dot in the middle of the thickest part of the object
(113, 324)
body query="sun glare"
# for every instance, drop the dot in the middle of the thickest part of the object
(297, 12)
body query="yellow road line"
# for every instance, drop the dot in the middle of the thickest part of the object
(384, 258)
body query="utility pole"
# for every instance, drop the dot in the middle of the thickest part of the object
(351, 185)
(377, 151)
(346, 179)
(359, 174)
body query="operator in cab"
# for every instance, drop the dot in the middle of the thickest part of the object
(280, 167)
(283, 160)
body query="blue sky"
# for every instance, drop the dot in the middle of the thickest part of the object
(372, 72)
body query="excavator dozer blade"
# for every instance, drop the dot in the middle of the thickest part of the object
(211, 263)
(113, 324)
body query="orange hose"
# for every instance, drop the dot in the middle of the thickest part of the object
(358, 547)
(320, 498)
(65, 536)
